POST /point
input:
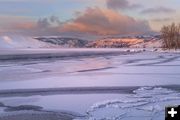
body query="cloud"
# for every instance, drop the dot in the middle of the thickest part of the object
(9, 23)
(47, 26)
(43, 26)
(105, 22)
(157, 10)
(121, 4)
(162, 19)
(94, 21)
(55, 19)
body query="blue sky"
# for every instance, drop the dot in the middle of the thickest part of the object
(15, 13)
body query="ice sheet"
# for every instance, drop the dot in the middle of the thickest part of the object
(149, 71)
(142, 69)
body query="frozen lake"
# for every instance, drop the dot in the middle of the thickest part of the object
(98, 84)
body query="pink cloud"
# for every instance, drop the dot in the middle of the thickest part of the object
(105, 21)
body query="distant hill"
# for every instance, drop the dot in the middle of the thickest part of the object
(111, 42)
(64, 41)
(140, 41)
(114, 43)
(18, 42)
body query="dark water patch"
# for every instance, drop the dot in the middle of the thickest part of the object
(77, 90)
(69, 90)
(172, 87)
(97, 69)
(60, 56)
(38, 116)
(45, 71)
(24, 64)
(139, 60)
(167, 60)
(23, 107)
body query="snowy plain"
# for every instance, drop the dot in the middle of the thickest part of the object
(110, 85)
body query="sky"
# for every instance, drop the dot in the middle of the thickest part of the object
(97, 17)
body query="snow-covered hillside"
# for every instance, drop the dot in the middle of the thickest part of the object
(24, 42)
(115, 43)
(148, 44)
(21, 42)
(64, 42)
(119, 42)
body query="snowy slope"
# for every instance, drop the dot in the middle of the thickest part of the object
(126, 43)
(15, 41)
(64, 42)
(115, 43)
(148, 44)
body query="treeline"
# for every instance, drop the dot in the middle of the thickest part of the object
(171, 36)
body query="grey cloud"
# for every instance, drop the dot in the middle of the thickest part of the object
(121, 4)
(43, 23)
(47, 22)
(47, 26)
(156, 10)
(44, 26)
(55, 19)
(162, 19)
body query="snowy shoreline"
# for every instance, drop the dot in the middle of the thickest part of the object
(60, 53)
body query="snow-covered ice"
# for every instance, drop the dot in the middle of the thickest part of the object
(147, 103)
(150, 81)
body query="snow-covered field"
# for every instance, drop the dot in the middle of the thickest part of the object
(100, 86)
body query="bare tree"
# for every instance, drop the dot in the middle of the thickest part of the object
(171, 36)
